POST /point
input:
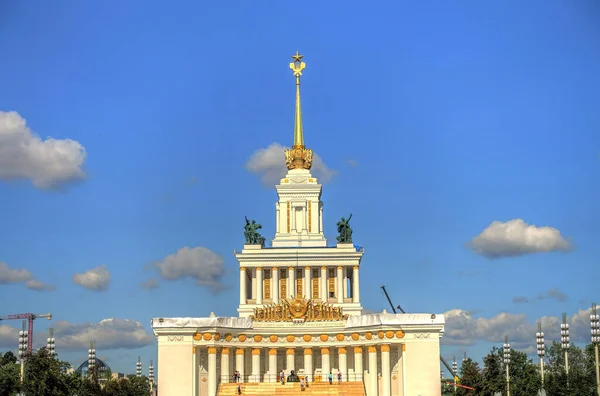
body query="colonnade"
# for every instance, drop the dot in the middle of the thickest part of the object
(372, 370)
(318, 291)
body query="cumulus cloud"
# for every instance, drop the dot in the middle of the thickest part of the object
(149, 284)
(110, 333)
(463, 329)
(34, 284)
(13, 275)
(97, 278)
(48, 163)
(269, 163)
(199, 263)
(517, 238)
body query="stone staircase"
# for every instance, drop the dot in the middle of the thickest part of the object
(291, 388)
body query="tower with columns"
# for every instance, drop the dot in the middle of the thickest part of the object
(299, 310)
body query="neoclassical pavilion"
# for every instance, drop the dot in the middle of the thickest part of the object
(300, 309)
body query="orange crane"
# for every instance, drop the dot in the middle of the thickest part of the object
(30, 317)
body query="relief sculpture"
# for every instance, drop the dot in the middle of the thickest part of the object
(298, 308)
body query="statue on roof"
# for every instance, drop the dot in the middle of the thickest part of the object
(344, 229)
(253, 237)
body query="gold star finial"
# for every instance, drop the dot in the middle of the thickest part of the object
(297, 57)
(297, 66)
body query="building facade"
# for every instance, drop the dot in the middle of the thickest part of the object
(300, 309)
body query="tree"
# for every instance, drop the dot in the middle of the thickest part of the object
(10, 376)
(580, 382)
(470, 375)
(492, 375)
(44, 375)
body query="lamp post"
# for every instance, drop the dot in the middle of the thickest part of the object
(506, 351)
(565, 342)
(23, 347)
(51, 343)
(92, 359)
(151, 375)
(541, 349)
(454, 371)
(138, 367)
(595, 324)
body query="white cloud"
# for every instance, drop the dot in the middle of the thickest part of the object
(34, 284)
(269, 163)
(13, 275)
(108, 333)
(97, 278)
(463, 329)
(198, 263)
(48, 163)
(517, 238)
(149, 284)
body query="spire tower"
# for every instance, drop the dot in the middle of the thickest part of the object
(298, 157)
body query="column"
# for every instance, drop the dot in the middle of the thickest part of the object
(320, 217)
(291, 291)
(212, 370)
(325, 368)
(373, 371)
(275, 284)
(239, 362)
(401, 368)
(272, 365)
(195, 360)
(255, 377)
(342, 358)
(385, 371)
(259, 285)
(358, 363)
(307, 283)
(308, 366)
(355, 285)
(225, 375)
(324, 291)
(242, 285)
(277, 217)
(340, 285)
(290, 354)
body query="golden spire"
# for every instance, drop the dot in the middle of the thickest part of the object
(298, 157)
(297, 66)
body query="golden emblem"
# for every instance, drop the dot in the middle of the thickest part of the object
(299, 308)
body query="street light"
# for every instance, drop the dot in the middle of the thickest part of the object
(23, 347)
(138, 367)
(565, 342)
(541, 349)
(151, 375)
(454, 371)
(92, 358)
(51, 343)
(507, 363)
(595, 324)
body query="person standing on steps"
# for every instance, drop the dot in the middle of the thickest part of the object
(339, 376)
(330, 378)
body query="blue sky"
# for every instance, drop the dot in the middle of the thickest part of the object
(432, 119)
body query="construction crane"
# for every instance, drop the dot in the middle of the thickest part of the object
(441, 357)
(30, 318)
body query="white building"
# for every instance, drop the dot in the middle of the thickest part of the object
(300, 310)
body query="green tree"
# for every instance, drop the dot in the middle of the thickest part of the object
(492, 375)
(470, 375)
(10, 376)
(580, 381)
(131, 386)
(44, 375)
